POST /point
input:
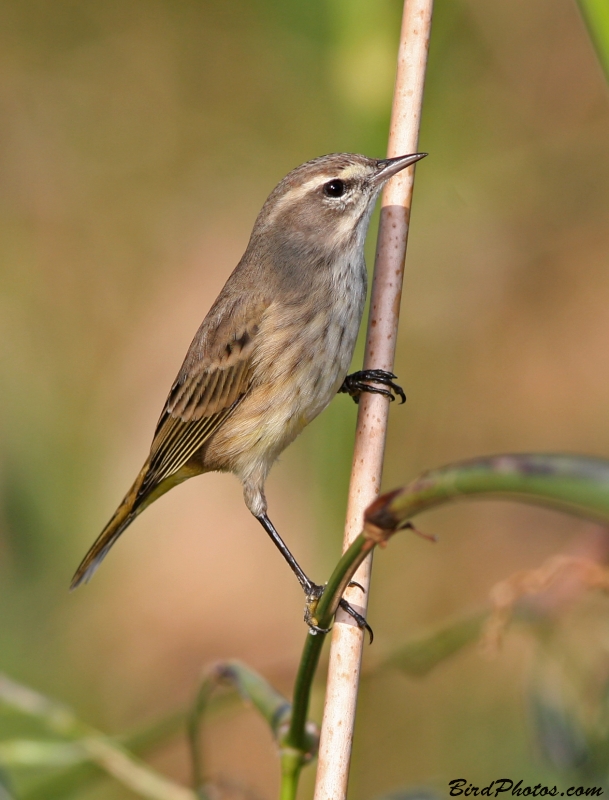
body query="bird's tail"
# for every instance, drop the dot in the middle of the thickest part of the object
(133, 504)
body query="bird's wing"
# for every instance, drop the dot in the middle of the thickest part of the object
(214, 378)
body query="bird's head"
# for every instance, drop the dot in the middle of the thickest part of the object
(325, 205)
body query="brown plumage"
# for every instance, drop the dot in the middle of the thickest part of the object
(275, 346)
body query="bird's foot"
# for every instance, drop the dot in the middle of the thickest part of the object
(313, 592)
(359, 382)
(360, 620)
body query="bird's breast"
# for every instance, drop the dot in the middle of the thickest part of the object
(308, 342)
(304, 347)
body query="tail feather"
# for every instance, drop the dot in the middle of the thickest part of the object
(100, 548)
(139, 497)
(128, 510)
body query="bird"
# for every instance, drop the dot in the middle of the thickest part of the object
(274, 348)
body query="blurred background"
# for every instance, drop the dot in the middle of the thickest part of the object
(138, 141)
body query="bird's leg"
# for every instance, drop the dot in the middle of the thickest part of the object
(359, 382)
(313, 591)
(310, 589)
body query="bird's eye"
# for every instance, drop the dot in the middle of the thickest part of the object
(334, 188)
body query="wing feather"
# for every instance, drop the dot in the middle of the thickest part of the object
(214, 379)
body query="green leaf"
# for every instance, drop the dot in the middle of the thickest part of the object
(56, 717)
(84, 744)
(128, 770)
(69, 780)
(560, 736)
(419, 656)
(596, 17)
(6, 789)
(40, 753)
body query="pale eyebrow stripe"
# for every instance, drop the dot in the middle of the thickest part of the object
(351, 171)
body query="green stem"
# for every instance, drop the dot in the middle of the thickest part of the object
(575, 484)
(252, 688)
(343, 573)
(291, 765)
(307, 668)
(297, 741)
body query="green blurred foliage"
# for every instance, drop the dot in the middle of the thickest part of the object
(596, 16)
(137, 142)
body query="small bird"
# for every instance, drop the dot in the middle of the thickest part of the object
(275, 346)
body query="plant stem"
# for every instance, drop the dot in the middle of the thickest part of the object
(291, 765)
(302, 690)
(347, 640)
(575, 484)
(272, 705)
(296, 746)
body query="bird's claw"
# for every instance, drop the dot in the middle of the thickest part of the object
(359, 618)
(359, 382)
(315, 629)
(313, 592)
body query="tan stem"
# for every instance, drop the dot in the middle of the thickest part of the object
(366, 473)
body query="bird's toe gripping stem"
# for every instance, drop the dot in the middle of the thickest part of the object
(359, 382)
(314, 592)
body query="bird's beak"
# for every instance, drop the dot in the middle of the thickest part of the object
(387, 167)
